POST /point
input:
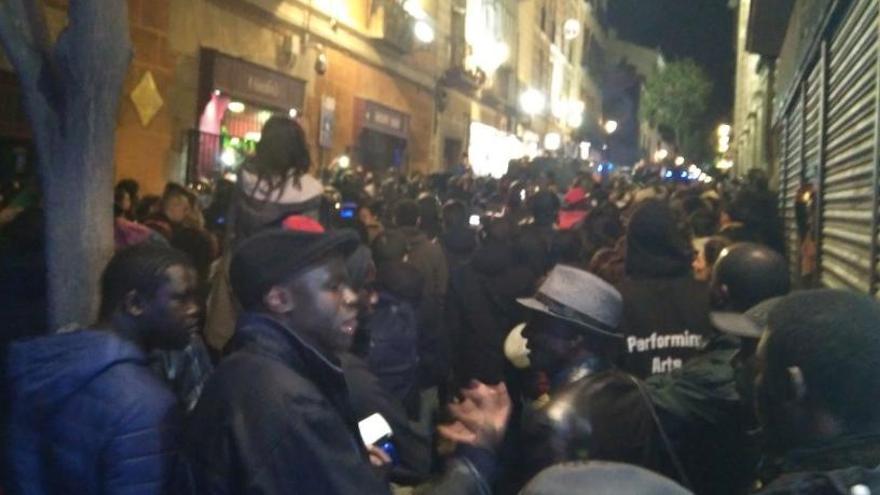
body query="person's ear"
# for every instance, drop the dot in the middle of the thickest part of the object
(133, 304)
(719, 296)
(796, 386)
(279, 300)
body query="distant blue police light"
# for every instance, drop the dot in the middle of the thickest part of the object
(684, 175)
(669, 174)
(601, 168)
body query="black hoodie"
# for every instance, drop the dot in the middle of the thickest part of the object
(665, 311)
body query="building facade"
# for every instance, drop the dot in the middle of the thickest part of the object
(753, 97)
(629, 65)
(824, 126)
(405, 84)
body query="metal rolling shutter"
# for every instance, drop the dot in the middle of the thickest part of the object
(794, 165)
(848, 185)
(812, 155)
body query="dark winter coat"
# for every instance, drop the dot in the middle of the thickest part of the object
(597, 415)
(428, 258)
(482, 309)
(705, 416)
(274, 418)
(88, 416)
(368, 396)
(665, 322)
(830, 469)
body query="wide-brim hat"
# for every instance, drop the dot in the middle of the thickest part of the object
(272, 256)
(750, 324)
(580, 298)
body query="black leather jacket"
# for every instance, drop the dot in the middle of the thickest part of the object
(594, 413)
(274, 418)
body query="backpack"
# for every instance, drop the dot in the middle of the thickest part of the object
(394, 354)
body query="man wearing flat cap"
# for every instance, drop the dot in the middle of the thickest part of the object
(274, 418)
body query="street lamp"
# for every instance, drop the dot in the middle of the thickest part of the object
(571, 29)
(423, 31)
(679, 161)
(610, 126)
(552, 141)
(661, 155)
(532, 101)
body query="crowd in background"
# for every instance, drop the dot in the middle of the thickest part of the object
(569, 331)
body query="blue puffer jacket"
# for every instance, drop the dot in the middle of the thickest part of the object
(88, 416)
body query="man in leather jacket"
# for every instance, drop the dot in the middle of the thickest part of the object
(594, 411)
(275, 417)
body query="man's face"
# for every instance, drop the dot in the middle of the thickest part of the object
(325, 307)
(366, 216)
(550, 341)
(171, 316)
(176, 208)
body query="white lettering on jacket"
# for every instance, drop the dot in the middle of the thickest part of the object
(656, 341)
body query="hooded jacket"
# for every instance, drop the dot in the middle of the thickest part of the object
(256, 206)
(665, 311)
(88, 416)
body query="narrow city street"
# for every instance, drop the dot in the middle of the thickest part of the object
(535, 247)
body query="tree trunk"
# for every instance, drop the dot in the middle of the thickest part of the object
(72, 96)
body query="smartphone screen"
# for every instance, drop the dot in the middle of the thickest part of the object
(373, 428)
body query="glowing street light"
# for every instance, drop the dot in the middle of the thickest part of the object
(679, 161)
(235, 107)
(571, 29)
(552, 141)
(423, 31)
(724, 165)
(532, 101)
(661, 155)
(610, 126)
(724, 130)
(489, 54)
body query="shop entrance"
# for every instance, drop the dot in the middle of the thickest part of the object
(379, 152)
(236, 98)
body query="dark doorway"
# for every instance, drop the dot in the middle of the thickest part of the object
(451, 152)
(378, 152)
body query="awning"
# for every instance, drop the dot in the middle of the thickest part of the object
(768, 20)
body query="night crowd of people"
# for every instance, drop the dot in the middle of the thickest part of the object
(554, 331)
